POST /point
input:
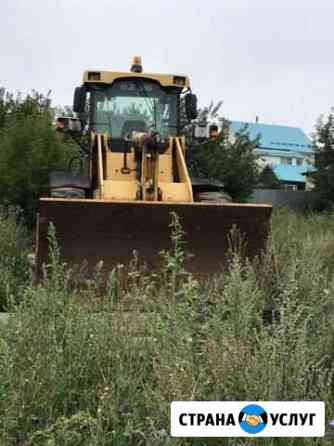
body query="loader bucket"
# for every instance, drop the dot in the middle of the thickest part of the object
(95, 230)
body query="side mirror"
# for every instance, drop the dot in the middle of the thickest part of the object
(79, 102)
(191, 106)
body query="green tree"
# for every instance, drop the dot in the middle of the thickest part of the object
(323, 177)
(29, 150)
(231, 160)
(268, 179)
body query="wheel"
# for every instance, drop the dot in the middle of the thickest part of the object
(67, 192)
(215, 197)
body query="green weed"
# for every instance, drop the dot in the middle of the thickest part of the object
(73, 374)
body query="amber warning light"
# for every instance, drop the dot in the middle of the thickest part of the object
(136, 65)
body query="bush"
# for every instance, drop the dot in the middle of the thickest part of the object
(268, 179)
(231, 162)
(15, 245)
(29, 150)
(72, 372)
(323, 177)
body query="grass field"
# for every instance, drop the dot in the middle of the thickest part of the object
(74, 372)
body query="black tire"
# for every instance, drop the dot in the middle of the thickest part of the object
(67, 192)
(215, 197)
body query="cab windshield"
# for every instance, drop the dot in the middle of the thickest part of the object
(134, 105)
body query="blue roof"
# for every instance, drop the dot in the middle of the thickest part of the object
(276, 137)
(291, 173)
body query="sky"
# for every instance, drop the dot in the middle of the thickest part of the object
(266, 58)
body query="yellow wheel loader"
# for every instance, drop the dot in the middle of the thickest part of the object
(135, 175)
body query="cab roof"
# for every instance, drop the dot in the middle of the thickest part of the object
(108, 77)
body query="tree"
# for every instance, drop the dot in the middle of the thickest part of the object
(229, 160)
(29, 150)
(323, 177)
(205, 115)
(268, 179)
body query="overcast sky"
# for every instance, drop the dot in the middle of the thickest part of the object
(268, 58)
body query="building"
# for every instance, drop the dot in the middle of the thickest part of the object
(286, 149)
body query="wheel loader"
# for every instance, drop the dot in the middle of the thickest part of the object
(134, 176)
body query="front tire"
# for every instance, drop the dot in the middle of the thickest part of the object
(67, 192)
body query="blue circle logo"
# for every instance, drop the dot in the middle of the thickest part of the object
(253, 419)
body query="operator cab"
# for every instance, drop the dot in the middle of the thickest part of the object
(119, 102)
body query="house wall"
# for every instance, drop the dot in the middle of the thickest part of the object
(272, 160)
(285, 159)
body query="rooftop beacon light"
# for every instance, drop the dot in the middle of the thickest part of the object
(136, 65)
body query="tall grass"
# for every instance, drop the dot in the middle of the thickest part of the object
(73, 373)
(15, 245)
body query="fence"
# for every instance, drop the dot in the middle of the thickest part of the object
(289, 198)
